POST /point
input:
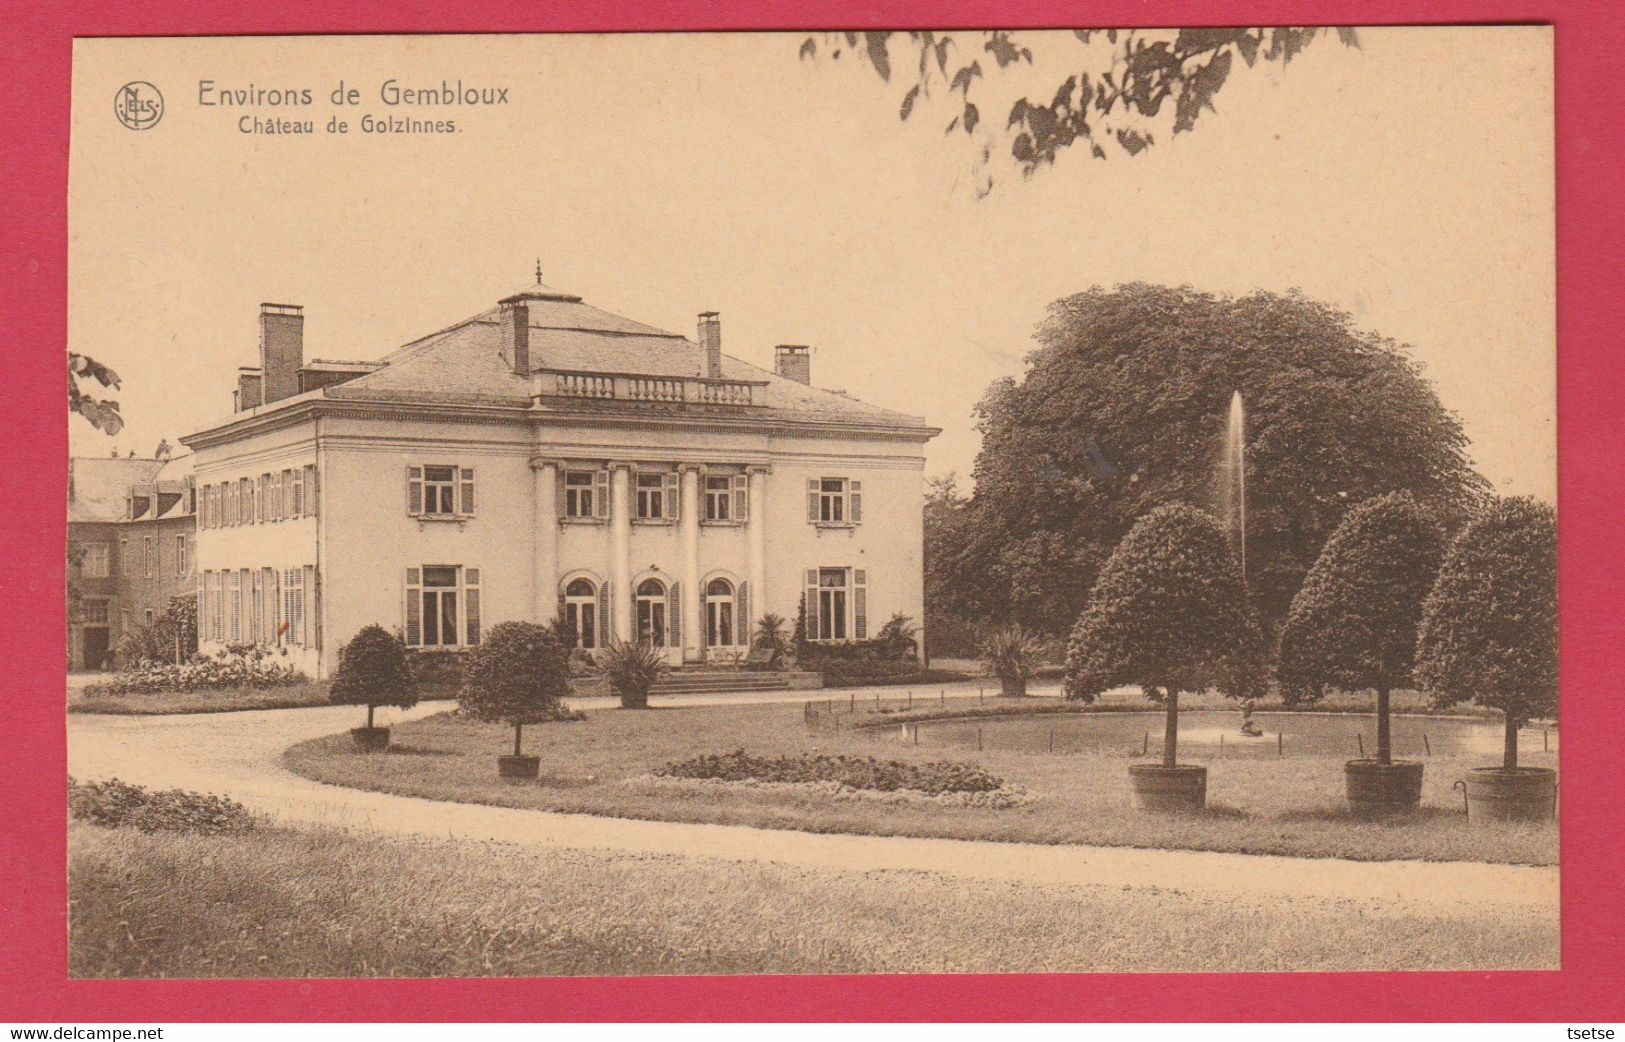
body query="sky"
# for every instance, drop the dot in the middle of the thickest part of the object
(1408, 181)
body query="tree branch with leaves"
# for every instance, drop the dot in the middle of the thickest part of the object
(1114, 95)
(102, 413)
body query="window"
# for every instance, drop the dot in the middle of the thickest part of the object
(581, 612)
(439, 491)
(293, 606)
(651, 615)
(96, 613)
(836, 597)
(124, 562)
(287, 494)
(212, 602)
(183, 561)
(245, 490)
(149, 616)
(442, 606)
(297, 509)
(263, 491)
(149, 551)
(719, 614)
(273, 506)
(270, 618)
(834, 501)
(727, 497)
(94, 561)
(657, 496)
(586, 493)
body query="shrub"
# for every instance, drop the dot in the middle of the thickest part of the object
(171, 639)
(114, 803)
(631, 670)
(1009, 653)
(856, 772)
(237, 667)
(1353, 623)
(1489, 625)
(373, 672)
(1169, 613)
(517, 675)
(898, 638)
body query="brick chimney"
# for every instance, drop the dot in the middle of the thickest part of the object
(711, 340)
(248, 389)
(516, 335)
(794, 362)
(282, 350)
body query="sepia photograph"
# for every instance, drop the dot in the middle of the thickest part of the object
(993, 501)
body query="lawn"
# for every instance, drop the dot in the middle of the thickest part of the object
(213, 700)
(276, 903)
(1292, 806)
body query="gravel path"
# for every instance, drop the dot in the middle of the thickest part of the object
(238, 754)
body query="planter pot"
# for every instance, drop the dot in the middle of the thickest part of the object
(1180, 788)
(1383, 788)
(1519, 794)
(370, 739)
(524, 767)
(1012, 687)
(635, 701)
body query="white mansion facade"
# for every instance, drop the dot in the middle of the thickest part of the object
(546, 459)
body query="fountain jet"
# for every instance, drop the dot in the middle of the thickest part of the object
(1233, 480)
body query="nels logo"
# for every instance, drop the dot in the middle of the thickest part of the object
(138, 105)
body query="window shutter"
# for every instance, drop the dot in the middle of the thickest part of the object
(560, 493)
(310, 490)
(287, 494)
(560, 617)
(742, 610)
(298, 509)
(414, 607)
(860, 604)
(600, 494)
(674, 613)
(466, 491)
(812, 604)
(471, 604)
(606, 592)
(414, 491)
(202, 605)
(672, 496)
(812, 500)
(307, 608)
(855, 506)
(741, 497)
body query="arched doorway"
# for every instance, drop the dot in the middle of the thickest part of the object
(581, 612)
(651, 613)
(719, 614)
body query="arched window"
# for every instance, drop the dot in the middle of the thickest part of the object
(719, 613)
(581, 612)
(652, 613)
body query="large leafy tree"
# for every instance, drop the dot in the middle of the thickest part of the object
(1353, 623)
(1117, 89)
(1169, 613)
(1489, 626)
(1123, 408)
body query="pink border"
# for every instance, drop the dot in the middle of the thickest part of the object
(33, 957)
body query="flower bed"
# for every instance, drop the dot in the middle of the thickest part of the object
(993, 799)
(113, 803)
(238, 668)
(853, 772)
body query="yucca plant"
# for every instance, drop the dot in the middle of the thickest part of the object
(631, 670)
(1009, 653)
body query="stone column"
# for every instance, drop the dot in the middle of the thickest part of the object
(544, 601)
(688, 537)
(756, 549)
(620, 561)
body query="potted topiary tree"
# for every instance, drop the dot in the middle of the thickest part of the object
(1168, 612)
(631, 670)
(517, 675)
(1489, 633)
(1353, 625)
(1008, 654)
(373, 672)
